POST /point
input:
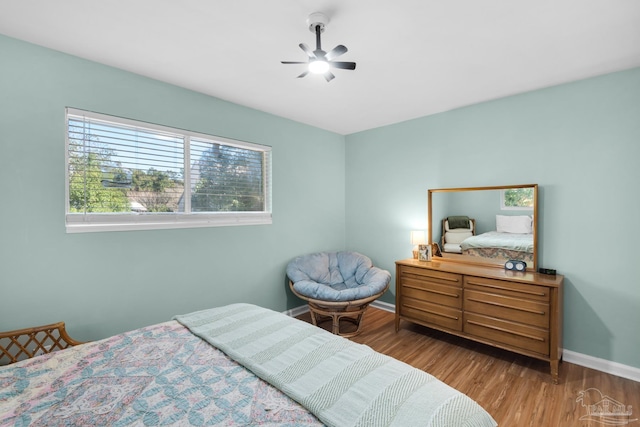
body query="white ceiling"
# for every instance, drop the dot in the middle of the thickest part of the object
(414, 57)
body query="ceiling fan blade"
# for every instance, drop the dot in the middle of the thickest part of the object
(303, 74)
(335, 52)
(307, 50)
(343, 65)
(328, 76)
(292, 62)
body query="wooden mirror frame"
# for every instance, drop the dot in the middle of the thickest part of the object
(484, 261)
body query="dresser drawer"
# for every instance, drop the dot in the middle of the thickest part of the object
(426, 312)
(510, 289)
(424, 290)
(516, 309)
(433, 276)
(507, 332)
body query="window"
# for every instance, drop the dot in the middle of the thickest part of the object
(128, 175)
(517, 199)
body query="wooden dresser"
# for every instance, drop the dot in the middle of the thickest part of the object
(516, 311)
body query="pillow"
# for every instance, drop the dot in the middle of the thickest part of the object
(457, 236)
(519, 224)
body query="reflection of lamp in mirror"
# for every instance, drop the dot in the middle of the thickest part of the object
(417, 238)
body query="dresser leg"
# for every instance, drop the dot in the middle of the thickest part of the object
(554, 371)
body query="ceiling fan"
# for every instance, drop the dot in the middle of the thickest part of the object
(320, 62)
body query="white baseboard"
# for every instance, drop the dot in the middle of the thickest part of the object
(606, 366)
(297, 311)
(602, 365)
(386, 306)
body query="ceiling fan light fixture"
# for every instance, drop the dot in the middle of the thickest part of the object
(318, 66)
(320, 61)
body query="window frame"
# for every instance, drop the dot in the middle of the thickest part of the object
(503, 197)
(127, 221)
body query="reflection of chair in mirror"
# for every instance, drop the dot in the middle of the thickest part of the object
(454, 230)
(337, 286)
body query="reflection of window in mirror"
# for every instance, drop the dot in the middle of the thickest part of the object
(516, 199)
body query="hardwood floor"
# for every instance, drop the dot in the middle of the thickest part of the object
(516, 390)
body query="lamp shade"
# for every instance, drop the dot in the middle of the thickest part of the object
(417, 237)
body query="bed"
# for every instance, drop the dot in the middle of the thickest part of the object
(512, 239)
(236, 365)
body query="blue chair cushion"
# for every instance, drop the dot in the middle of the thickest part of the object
(336, 276)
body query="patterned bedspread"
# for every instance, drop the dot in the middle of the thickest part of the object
(499, 246)
(158, 375)
(499, 254)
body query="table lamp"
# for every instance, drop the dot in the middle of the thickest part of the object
(417, 238)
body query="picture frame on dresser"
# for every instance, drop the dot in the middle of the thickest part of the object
(424, 252)
(435, 250)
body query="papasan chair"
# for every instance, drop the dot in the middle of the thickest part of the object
(337, 286)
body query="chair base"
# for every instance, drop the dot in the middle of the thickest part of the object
(337, 311)
(320, 313)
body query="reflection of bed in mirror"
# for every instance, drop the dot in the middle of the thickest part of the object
(513, 239)
(501, 246)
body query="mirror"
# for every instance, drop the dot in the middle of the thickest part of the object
(484, 225)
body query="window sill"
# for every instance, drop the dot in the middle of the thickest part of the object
(79, 223)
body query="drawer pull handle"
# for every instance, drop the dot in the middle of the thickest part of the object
(433, 291)
(540, 294)
(531, 337)
(528, 310)
(447, 279)
(448, 316)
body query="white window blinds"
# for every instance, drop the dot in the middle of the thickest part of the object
(123, 174)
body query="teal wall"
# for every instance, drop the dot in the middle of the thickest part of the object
(580, 142)
(104, 283)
